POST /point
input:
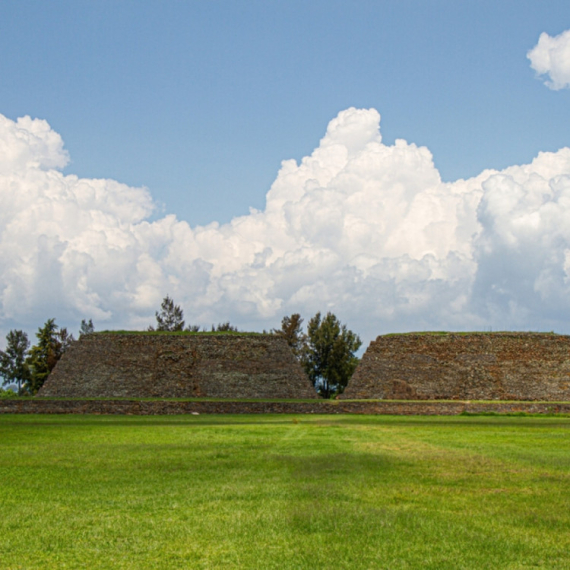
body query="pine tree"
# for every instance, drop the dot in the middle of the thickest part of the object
(292, 331)
(169, 318)
(328, 357)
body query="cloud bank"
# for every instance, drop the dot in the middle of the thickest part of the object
(551, 57)
(361, 228)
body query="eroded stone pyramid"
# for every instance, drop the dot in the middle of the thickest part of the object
(177, 366)
(464, 366)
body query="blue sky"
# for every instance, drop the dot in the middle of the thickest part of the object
(201, 101)
(154, 127)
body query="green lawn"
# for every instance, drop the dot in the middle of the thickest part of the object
(284, 492)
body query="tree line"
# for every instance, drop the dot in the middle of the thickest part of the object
(326, 350)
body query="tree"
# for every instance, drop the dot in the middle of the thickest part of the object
(43, 356)
(13, 365)
(328, 355)
(64, 341)
(292, 331)
(86, 327)
(169, 318)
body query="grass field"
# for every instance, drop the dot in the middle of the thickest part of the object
(284, 492)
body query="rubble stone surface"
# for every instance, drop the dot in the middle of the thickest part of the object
(108, 365)
(464, 366)
(196, 407)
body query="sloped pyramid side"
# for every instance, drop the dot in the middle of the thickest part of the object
(182, 366)
(464, 366)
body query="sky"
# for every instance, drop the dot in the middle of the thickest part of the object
(403, 164)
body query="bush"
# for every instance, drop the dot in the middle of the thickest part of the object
(9, 393)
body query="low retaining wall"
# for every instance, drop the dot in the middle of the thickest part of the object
(169, 407)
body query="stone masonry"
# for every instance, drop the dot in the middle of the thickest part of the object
(178, 366)
(469, 366)
(204, 406)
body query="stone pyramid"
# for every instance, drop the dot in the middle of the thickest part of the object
(167, 365)
(464, 366)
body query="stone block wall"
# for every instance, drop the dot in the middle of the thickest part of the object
(474, 366)
(175, 407)
(178, 366)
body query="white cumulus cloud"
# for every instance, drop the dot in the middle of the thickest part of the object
(551, 57)
(364, 229)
